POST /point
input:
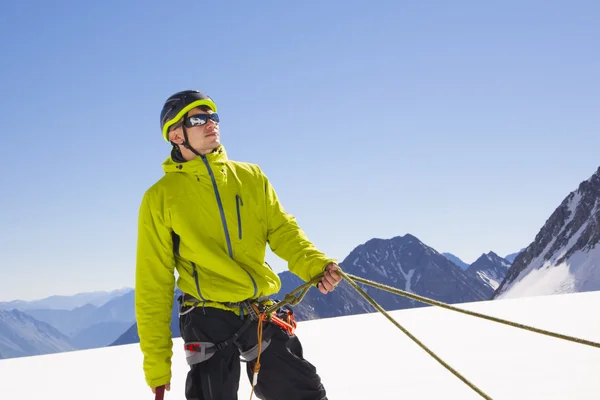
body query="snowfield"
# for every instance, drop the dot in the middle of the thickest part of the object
(366, 357)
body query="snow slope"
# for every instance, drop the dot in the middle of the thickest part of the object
(579, 273)
(565, 255)
(365, 357)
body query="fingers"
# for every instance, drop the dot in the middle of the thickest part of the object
(330, 279)
(321, 288)
(332, 267)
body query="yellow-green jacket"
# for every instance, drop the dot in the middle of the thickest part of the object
(211, 219)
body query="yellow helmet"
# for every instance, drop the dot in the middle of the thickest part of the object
(178, 104)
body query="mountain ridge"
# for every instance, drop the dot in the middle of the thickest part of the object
(65, 302)
(564, 256)
(490, 268)
(22, 335)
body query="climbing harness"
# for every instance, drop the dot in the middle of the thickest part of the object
(197, 352)
(296, 296)
(254, 311)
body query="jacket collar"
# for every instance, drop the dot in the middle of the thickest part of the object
(197, 165)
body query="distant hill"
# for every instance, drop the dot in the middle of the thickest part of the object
(97, 299)
(463, 265)
(511, 257)
(90, 326)
(22, 335)
(490, 268)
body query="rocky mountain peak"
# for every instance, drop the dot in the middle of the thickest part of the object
(569, 239)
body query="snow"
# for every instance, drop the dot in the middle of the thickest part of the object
(572, 242)
(381, 270)
(408, 287)
(407, 277)
(572, 207)
(490, 278)
(534, 265)
(580, 272)
(365, 357)
(574, 202)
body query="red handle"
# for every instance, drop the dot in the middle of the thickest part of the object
(160, 393)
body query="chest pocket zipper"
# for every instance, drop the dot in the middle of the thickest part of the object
(239, 203)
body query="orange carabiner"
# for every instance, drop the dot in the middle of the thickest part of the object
(288, 325)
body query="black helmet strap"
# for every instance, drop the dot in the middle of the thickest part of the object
(186, 142)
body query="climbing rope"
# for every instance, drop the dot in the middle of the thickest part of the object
(259, 332)
(297, 295)
(475, 314)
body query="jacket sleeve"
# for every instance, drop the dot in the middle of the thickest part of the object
(288, 240)
(154, 291)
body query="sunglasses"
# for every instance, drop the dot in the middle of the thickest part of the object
(200, 119)
(197, 120)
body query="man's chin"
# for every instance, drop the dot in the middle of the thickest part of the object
(215, 143)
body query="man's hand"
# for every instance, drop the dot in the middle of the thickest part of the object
(330, 279)
(167, 388)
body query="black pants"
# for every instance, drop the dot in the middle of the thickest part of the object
(284, 373)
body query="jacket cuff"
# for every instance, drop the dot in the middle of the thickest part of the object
(163, 380)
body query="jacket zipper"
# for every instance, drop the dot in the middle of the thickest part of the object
(238, 203)
(223, 220)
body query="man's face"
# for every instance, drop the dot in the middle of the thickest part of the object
(204, 138)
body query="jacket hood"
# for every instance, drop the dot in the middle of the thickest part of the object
(196, 165)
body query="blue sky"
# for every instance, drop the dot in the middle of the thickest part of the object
(464, 124)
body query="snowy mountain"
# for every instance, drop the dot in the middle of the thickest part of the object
(22, 335)
(407, 263)
(403, 262)
(97, 299)
(490, 268)
(68, 322)
(90, 326)
(42, 331)
(463, 265)
(565, 255)
(343, 301)
(548, 368)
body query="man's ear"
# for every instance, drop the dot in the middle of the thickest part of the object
(176, 136)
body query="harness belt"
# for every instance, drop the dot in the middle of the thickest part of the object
(197, 352)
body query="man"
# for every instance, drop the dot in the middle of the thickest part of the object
(210, 219)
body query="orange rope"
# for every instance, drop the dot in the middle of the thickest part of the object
(257, 365)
